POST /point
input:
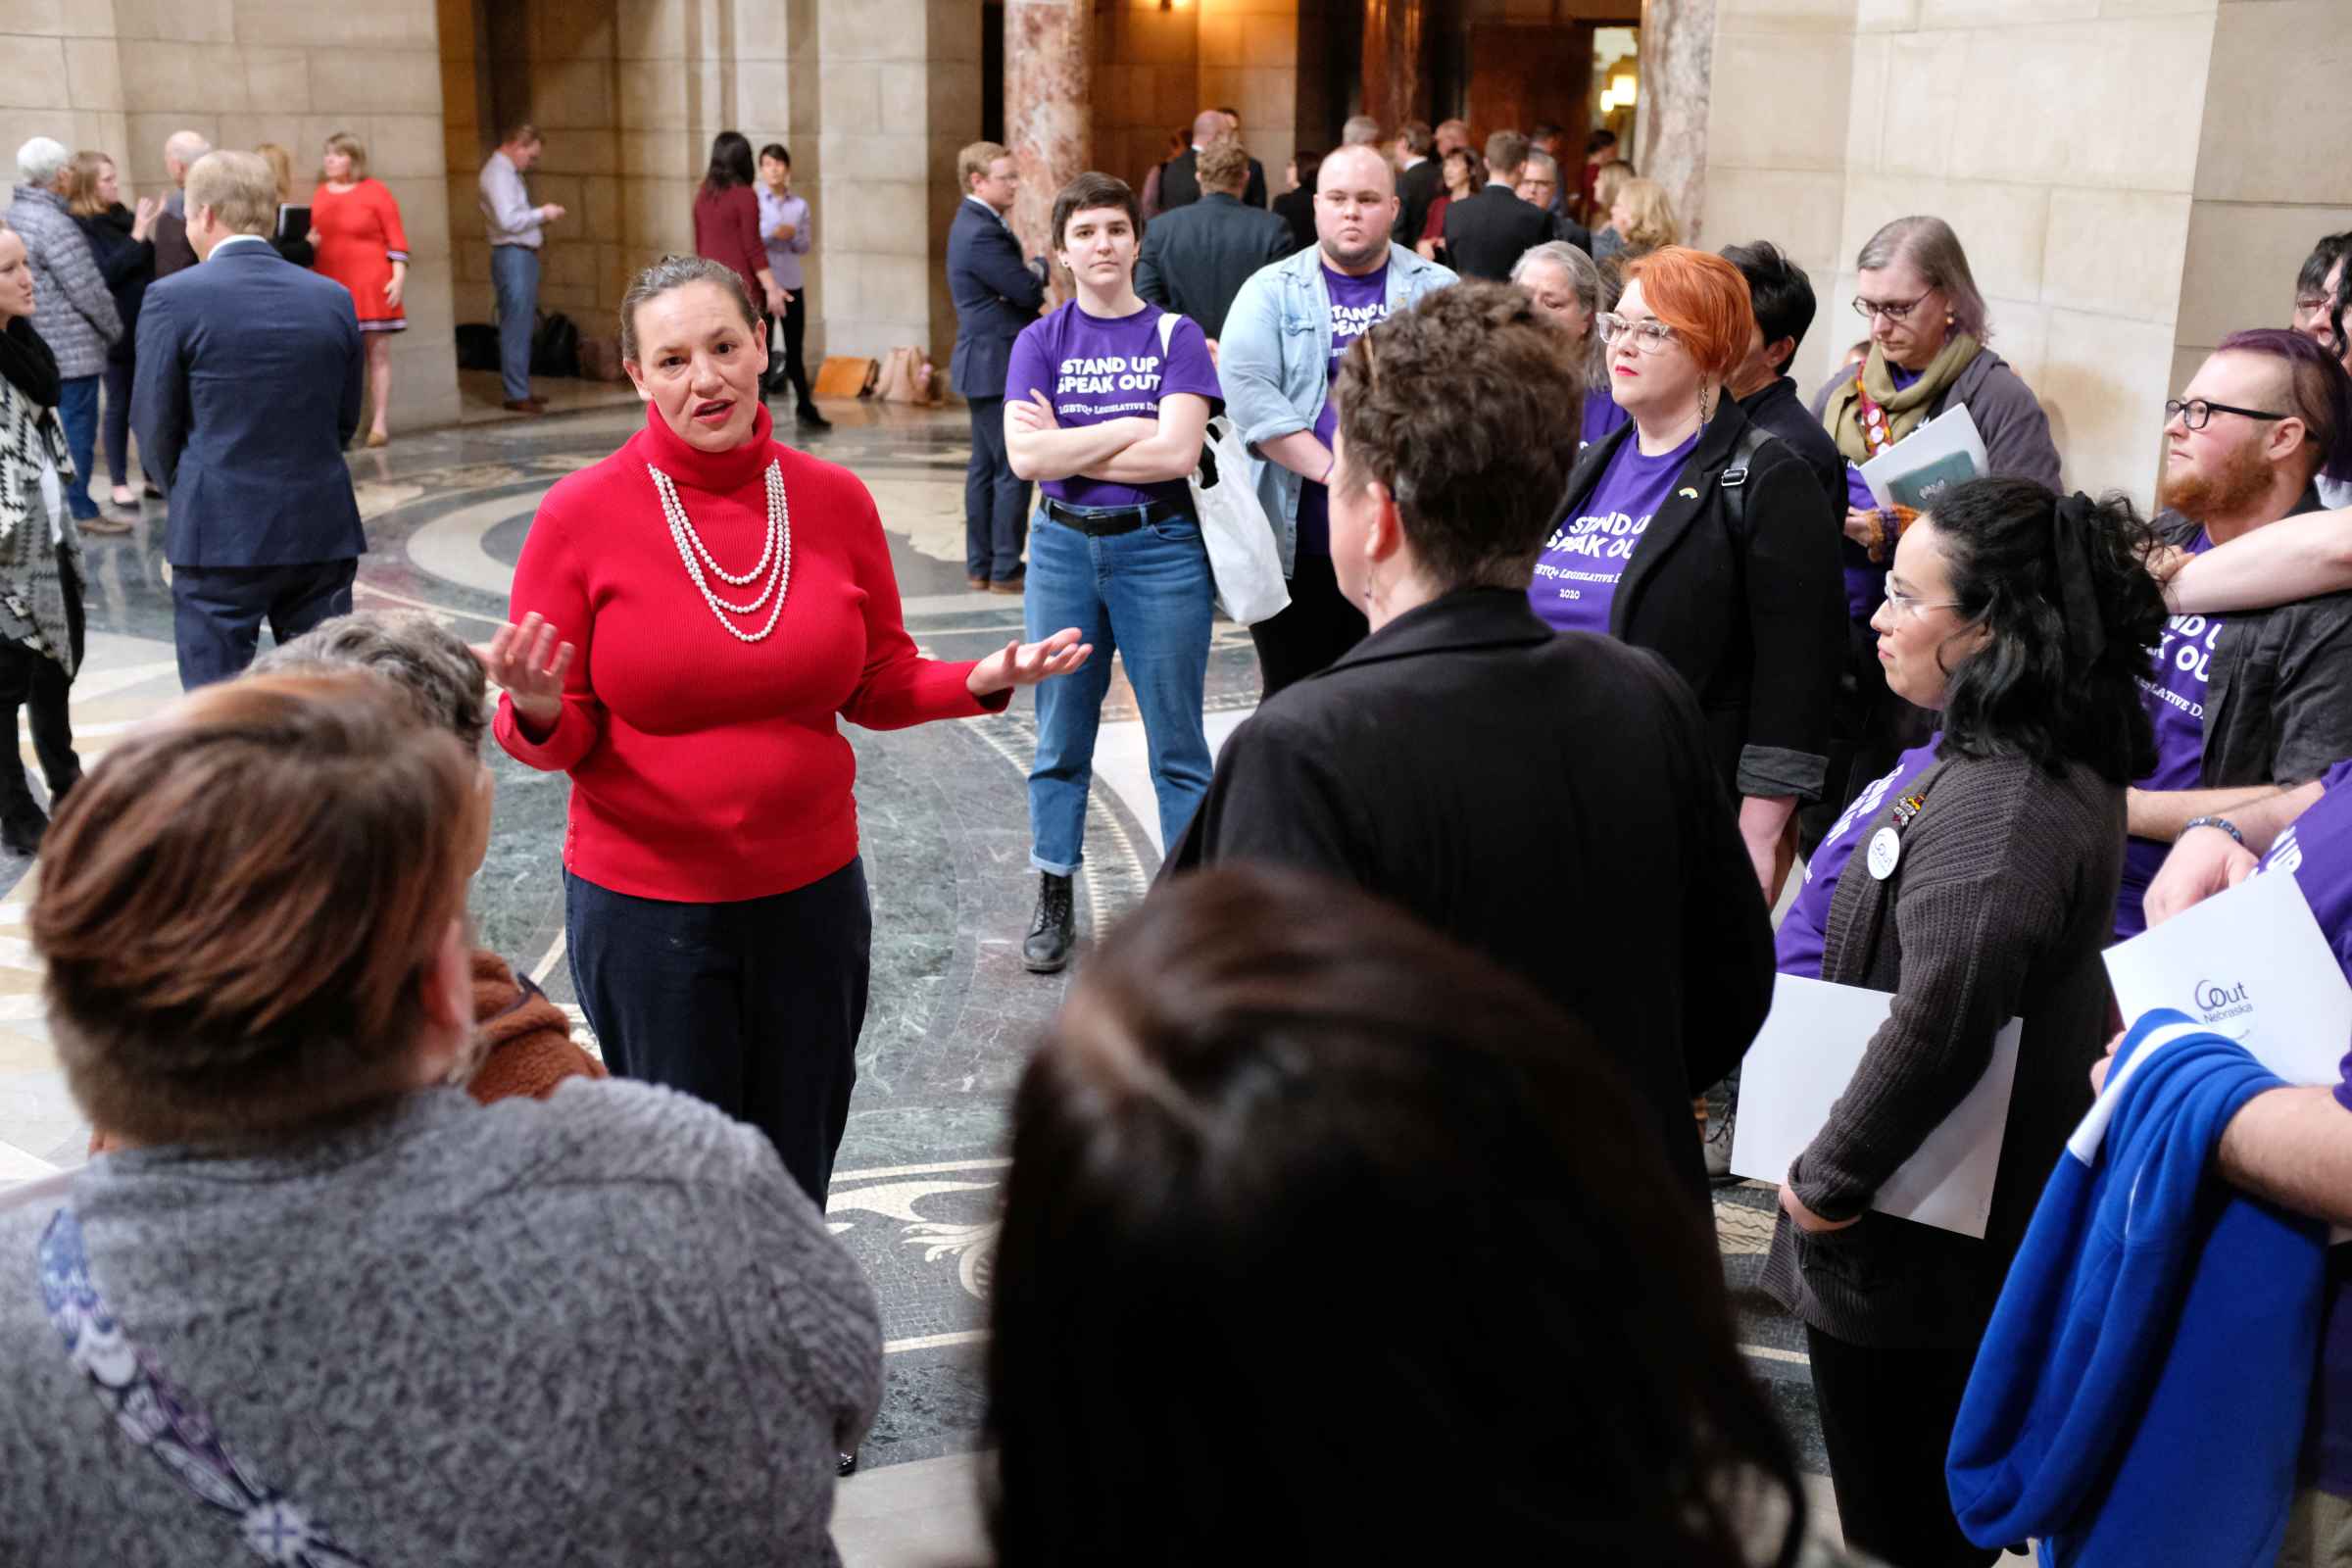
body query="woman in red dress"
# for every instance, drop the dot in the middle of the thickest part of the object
(726, 220)
(355, 226)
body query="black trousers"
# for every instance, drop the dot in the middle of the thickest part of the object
(1317, 627)
(217, 612)
(115, 424)
(754, 1006)
(995, 500)
(789, 367)
(1887, 1418)
(39, 684)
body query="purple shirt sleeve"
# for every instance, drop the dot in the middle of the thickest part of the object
(1189, 367)
(1027, 370)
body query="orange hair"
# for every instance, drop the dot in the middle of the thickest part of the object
(1703, 298)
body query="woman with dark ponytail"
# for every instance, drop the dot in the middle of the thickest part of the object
(1976, 882)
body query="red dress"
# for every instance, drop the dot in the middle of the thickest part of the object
(360, 237)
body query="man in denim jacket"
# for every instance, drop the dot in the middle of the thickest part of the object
(1284, 338)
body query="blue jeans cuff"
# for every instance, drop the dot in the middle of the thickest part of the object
(1038, 864)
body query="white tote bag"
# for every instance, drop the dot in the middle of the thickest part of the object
(1242, 556)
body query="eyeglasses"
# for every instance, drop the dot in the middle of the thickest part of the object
(1910, 605)
(1651, 336)
(2194, 411)
(1892, 310)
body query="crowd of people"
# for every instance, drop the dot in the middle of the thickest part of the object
(1638, 578)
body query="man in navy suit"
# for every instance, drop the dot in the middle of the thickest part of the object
(248, 389)
(996, 293)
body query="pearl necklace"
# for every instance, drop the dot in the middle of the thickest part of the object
(778, 549)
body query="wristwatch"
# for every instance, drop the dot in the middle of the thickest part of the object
(2221, 822)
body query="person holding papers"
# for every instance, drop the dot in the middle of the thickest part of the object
(1928, 355)
(1977, 889)
(2293, 1145)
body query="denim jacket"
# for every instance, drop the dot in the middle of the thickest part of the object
(1274, 362)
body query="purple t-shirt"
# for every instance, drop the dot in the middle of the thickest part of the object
(1095, 368)
(2317, 850)
(1356, 304)
(1866, 579)
(1798, 946)
(1602, 415)
(1576, 576)
(2175, 695)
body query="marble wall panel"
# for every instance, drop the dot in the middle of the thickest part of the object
(1671, 128)
(1779, 100)
(2241, 262)
(34, 69)
(2106, 101)
(2117, 253)
(2283, 64)
(1798, 210)
(94, 75)
(188, 20)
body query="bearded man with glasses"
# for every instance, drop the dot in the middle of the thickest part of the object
(2247, 706)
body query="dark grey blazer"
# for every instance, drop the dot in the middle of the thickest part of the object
(1486, 235)
(1195, 259)
(1547, 800)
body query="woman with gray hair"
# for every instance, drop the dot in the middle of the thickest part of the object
(1570, 291)
(1927, 355)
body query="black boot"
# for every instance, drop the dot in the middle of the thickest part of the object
(22, 825)
(807, 415)
(1053, 928)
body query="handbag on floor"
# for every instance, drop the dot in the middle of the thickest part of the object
(1242, 556)
(845, 376)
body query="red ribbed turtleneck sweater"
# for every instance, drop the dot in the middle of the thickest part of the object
(706, 769)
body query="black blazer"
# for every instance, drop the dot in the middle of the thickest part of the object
(1547, 800)
(1416, 189)
(1195, 260)
(1753, 617)
(1779, 412)
(1486, 233)
(996, 295)
(247, 391)
(1180, 186)
(1574, 233)
(1297, 208)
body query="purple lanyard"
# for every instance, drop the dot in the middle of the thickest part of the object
(157, 1415)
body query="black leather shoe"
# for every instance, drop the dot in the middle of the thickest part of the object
(848, 1462)
(22, 831)
(1052, 929)
(809, 415)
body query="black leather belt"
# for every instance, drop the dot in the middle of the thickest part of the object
(1103, 521)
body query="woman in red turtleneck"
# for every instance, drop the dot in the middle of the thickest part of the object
(695, 612)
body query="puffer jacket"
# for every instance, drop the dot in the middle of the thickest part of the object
(72, 307)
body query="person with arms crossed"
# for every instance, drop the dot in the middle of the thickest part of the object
(248, 389)
(996, 293)
(1107, 401)
(1284, 338)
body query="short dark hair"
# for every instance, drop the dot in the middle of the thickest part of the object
(2026, 693)
(1092, 190)
(1544, 131)
(730, 162)
(1417, 138)
(1778, 289)
(240, 904)
(1597, 140)
(1262, 1080)
(1310, 163)
(779, 152)
(1507, 154)
(2319, 392)
(1478, 505)
(522, 135)
(2312, 277)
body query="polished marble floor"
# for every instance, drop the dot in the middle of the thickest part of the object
(946, 841)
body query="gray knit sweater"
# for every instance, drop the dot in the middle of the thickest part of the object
(2000, 903)
(606, 1328)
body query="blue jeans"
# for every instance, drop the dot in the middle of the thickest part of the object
(1147, 595)
(514, 277)
(78, 411)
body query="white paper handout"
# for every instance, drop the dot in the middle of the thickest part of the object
(1802, 1060)
(1941, 452)
(2253, 964)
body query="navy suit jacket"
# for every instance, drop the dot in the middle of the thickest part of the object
(247, 390)
(1195, 259)
(996, 296)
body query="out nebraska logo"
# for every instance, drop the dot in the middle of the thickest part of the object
(2216, 1001)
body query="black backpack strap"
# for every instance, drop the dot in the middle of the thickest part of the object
(1733, 479)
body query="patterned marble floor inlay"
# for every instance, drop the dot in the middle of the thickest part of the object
(944, 827)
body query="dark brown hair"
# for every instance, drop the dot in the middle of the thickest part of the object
(1479, 490)
(1094, 189)
(239, 905)
(1287, 1153)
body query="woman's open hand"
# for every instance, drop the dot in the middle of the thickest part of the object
(529, 662)
(1020, 664)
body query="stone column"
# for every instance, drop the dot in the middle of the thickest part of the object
(1670, 132)
(1045, 95)
(1394, 91)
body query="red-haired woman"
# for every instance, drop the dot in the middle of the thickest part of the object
(1698, 536)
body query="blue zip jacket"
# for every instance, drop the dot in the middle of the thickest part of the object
(2139, 1396)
